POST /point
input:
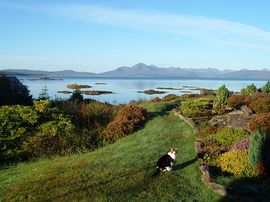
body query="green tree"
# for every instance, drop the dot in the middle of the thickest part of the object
(76, 96)
(249, 89)
(259, 154)
(44, 94)
(266, 87)
(221, 97)
(13, 92)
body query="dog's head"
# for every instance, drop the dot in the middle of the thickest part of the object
(172, 153)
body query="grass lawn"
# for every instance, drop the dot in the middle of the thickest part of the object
(120, 172)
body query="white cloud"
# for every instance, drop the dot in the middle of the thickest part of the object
(200, 27)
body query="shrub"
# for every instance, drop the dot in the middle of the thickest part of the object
(259, 154)
(228, 136)
(236, 101)
(127, 120)
(211, 149)
(250, 99)
(195, 107)
(205, 130)
(42, 106)
(16, 123)
(170, 97)
(236, 163)
(249, 89)
(221, 97)
(266, 88)
(95, 114)
(261, 105)
(207, 92)
(51, 139)
(155, 99)
(260, 122)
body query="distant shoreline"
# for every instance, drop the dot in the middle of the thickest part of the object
(144, 77)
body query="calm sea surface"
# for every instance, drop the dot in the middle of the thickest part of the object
(126, 89)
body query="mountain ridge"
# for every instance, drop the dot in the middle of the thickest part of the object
(143, 70)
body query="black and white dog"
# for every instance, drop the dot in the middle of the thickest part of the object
(166, 162)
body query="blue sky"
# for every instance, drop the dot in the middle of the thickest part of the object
(99, 35)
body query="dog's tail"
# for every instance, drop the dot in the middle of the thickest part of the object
(157, 172)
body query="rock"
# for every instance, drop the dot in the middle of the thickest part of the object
(246, 111)
(234, 119)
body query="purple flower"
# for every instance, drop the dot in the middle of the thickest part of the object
(242, 144)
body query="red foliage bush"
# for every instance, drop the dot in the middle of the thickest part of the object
(252, 98)
(170, 97)
(94, 115)
(156, 99)
(260, 122)
(127, 120)
(236, 100)
(261, 105)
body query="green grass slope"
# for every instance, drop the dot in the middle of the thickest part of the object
(119, 172)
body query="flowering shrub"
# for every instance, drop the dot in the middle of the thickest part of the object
(236, 163)
(242, 144)
(228, 136)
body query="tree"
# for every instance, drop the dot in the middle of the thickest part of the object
(76, 96)
(259, 155)
(44, 94)
(266, 88)
(250, 89)
(221, 97)
(13, 92)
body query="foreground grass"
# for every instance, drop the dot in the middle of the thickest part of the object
(119, 172)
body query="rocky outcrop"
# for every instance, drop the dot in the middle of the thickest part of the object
(234, 119)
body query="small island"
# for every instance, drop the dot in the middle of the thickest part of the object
(64, 92)
(87, 92)
(169, 88)
(96, 92)
(152, 92)
(76, 86)
(101, 83)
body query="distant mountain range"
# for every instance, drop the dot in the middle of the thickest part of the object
(27, 72)
(143, 70)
